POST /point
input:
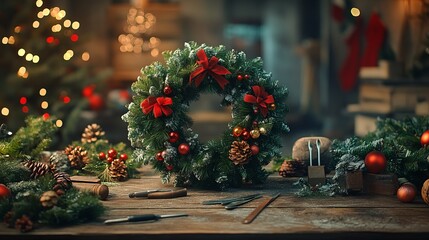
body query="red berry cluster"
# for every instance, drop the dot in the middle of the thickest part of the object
(112, 154)
(241, 77)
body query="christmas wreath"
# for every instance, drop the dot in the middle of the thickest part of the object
(160, 129)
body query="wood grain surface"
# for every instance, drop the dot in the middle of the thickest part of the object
(288, 217)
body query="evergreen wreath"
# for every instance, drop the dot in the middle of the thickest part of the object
(160, 129)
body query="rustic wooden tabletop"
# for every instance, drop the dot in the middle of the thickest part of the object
(291, 217)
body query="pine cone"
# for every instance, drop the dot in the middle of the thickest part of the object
(49, 199)
(37, 168)
(59, 161)
(63, 182)
(77, 155)
(92, 133)
(240, 152)
(292, 168)
(24, 224)
(118, 170)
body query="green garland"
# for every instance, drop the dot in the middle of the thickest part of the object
(398, 140)
(73, 206)
(162, 95)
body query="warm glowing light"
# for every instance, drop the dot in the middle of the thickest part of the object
(36, 59)
(39, 3)
(355, 12)
(68, 55)
(18, 29)
(56, 28)
(154, 52)
(75, 25)
(46, 12)
(40, 14)
(25, 109)
(29, 57)
(23, 100)
(11, 40)
(61, 14)
(5, 40)
(59, 123)
(46, 116)
(42, 92)
(74, 37)
(36, 24)
(21, 52)
(54, 11)
(25, 75)
(85, 56)
(22, 71)
(67, 23)
(5, 111)
(44, 105)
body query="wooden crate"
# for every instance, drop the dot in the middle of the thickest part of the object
(376, 98)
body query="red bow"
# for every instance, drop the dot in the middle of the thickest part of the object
(159, 105)
(211, 67)
(261, 99)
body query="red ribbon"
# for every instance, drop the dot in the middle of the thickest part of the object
(159, 106)
(211, 67)
(261, 99)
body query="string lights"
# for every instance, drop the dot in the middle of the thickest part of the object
(57, 24)
(135, 39)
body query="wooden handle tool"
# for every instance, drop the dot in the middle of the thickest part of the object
(259, 209)
(171, 194)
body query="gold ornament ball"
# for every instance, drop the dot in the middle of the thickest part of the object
(272, 106)
(255, 134)
(237, 131)
(262, 131)
(425, 192)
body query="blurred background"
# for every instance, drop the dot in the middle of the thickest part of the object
(345, 62)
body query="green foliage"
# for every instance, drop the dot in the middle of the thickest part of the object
(206, 165)
(73, 207)
(398, 140)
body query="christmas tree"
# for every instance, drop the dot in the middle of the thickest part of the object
(43, 68)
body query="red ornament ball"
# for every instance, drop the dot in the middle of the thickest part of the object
(96, 102)
(159, 157)
(123, 157)
(173, 137)
(169, 167)
(255, 149)
(102, 156)
(247, 76)
(375, 162)
(245, 134)
(424, 139)
(239, 77)
(4, 191)
(112, 153)
(406, 193)
(183, 148)
(168, 90)
(110, 159)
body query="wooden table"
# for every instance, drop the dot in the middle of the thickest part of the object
(288, 217)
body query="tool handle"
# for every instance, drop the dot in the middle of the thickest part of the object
(144, 217)
(259, 209)
(138, 194)
(173, 194)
